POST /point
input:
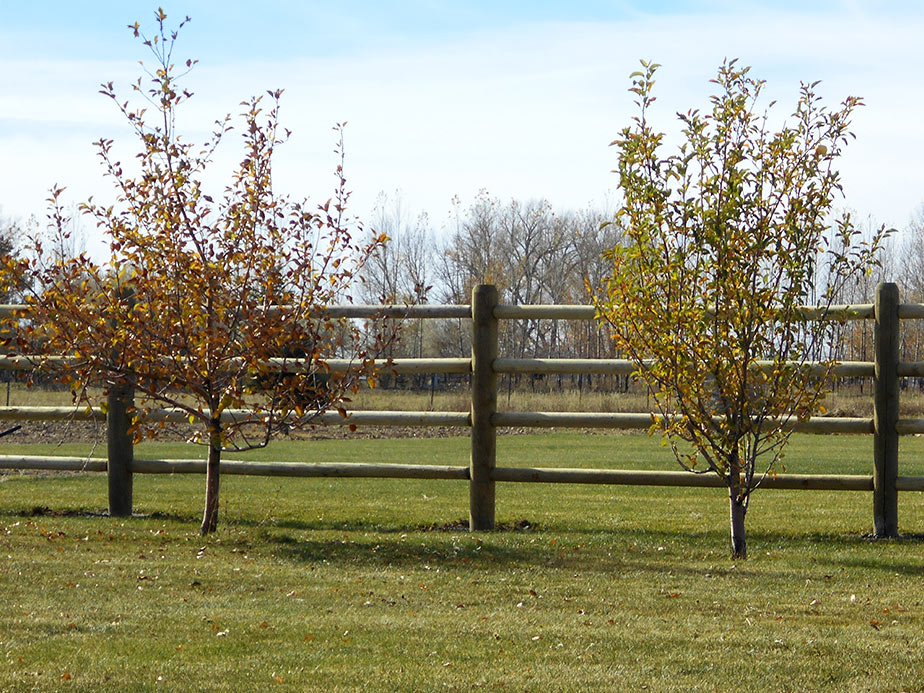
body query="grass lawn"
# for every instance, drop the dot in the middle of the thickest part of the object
(342, 584)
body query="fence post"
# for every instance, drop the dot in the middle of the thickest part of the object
(120, 449)
(885, 412)
(484, 405)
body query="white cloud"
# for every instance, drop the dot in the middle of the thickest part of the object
(526, 111)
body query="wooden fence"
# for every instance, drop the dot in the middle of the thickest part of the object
(484, 420)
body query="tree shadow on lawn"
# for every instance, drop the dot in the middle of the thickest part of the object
(691, 553)
(688, 555)
(495, 551)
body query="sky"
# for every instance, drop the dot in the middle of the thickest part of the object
(444, 99)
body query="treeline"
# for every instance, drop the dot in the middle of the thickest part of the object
(535, 253)
(532, 252)
(902, 262)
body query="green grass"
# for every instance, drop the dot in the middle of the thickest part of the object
(342, 584)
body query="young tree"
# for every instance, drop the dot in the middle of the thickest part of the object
(720, 245)
(200, 294)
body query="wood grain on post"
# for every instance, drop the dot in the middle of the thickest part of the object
(120, 449)
(885, 412)
(484, 405)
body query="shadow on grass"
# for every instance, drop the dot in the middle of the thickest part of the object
(692, 553)
(459, 525)
(596, 554)
(443, 551)
(491, 552)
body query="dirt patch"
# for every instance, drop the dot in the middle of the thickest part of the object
(54, 432)
(58, 432)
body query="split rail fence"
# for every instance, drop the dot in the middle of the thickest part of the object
(484, 420)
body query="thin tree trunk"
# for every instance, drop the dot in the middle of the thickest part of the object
(212, 479)
(736, 509)
(738, 542)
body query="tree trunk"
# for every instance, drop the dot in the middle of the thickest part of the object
(212, 479)
(738, 542)
(736, 509)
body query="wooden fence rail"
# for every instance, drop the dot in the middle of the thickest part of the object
(483, 419)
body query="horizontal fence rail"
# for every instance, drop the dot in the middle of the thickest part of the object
(360, 470)
(504, 311)
(351, 311)
(484, 420)
(845, 369)
(510, 419)
(357, 418)
(409, 366)
(293, 365)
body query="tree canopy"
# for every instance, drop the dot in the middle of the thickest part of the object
(204, 293)
(724, 242)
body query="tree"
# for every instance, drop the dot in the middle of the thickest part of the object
(855, 340)
(11, 238)
(911, 270)
(399, 272)
(201, 294)
(721, 242)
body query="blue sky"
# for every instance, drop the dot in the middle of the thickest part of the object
(446, 98)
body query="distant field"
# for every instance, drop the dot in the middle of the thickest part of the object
(339, 584)
(847, 400)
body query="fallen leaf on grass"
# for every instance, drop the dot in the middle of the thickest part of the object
(875, 624)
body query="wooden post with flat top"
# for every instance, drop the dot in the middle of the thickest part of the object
(885, 413)
(120, 449)
(484, 405)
